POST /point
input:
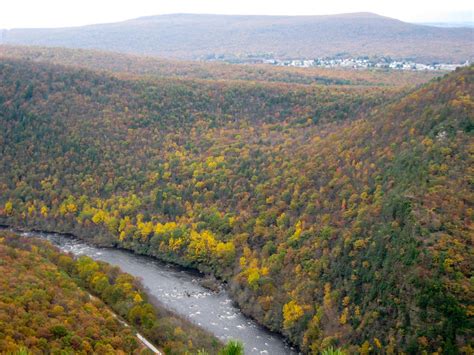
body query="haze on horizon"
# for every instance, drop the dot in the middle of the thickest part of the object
(57, 13)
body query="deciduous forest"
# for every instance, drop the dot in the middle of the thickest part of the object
(48, 304)
(338, 214)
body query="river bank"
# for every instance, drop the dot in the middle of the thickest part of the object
(180, 289)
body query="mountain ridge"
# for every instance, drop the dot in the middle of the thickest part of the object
(152, 67)
(191, 36)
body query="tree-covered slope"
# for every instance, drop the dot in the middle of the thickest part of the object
(43, 310)
(92, 124)
(131, 66)
(48, 304)
(338, 216)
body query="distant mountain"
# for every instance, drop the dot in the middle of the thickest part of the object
(448, 24)
(189, 36)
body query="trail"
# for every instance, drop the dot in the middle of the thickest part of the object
(140, 337)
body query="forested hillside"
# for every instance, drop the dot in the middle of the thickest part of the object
(339, 216)
(191, 36)
(132, 66)
(47, 306)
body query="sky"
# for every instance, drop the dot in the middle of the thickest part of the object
(63, 13)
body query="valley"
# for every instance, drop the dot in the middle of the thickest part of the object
(336, 205)
(50, 302)
(180, 290)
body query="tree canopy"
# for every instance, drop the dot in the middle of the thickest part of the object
(339, 216)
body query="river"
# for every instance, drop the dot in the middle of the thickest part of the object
(180, 291)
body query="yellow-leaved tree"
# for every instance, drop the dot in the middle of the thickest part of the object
(292, 311)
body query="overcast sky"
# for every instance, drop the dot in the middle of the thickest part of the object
(57, 13)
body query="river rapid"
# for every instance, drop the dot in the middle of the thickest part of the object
(181, 292)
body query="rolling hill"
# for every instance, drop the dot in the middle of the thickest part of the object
(338, 215)
(146, 67)
(188, 36)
